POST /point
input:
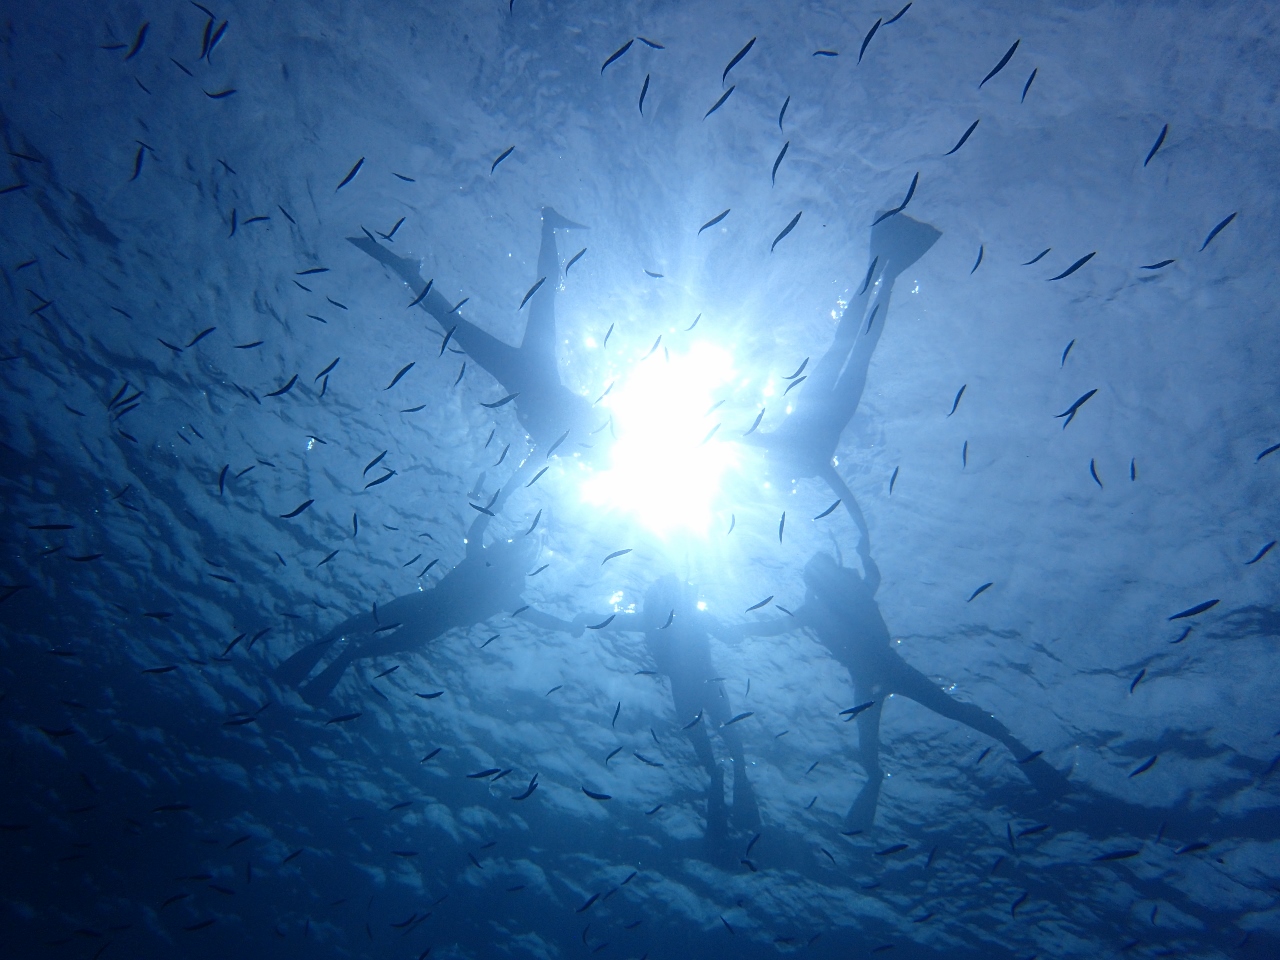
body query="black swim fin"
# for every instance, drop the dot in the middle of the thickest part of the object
(557, 222)
(900, 241)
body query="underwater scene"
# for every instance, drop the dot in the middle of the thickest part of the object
(565, 479)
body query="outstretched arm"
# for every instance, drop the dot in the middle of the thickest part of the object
(548, 622)
(737, 632)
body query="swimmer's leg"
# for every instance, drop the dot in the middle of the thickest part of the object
(539, 344)
(911, 683)
(746, 812)
(862, 813)
(717, 817)
(299, 666)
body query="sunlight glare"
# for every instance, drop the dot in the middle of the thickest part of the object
(664, 470)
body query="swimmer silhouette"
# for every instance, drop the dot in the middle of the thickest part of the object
(676, 637)
(805, 444)
(840, 608)
(487, 582)
(544, 405)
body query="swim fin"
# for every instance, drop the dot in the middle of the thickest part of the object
(900, 241)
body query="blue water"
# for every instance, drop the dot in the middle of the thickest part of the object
(156, 812)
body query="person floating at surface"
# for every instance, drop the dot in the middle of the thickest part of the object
(840, 608)
(805, 443)
(676, 637)
(548, 410)
(487, 582)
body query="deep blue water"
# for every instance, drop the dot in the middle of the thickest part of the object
(196, 342)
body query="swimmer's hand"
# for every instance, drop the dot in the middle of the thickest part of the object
(579, 624)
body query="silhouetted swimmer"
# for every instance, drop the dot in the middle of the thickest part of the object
(544, 405)
(840, 608)
(487, 583)
(676, 636)
(805, 444)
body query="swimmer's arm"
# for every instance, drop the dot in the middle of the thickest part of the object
(737, 632)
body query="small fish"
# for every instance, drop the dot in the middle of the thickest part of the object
(537, 476)
(718, 217)
(893, 479)
(221, 94)
(458, 306)
(727, 927)
(137, 163)
(785, 230)
(168, 669)
(603, 623)
(1260, 554)
(1146, 765)
(955, 403)
(973, 126)
(1070, 412)
(1075, 266)
(982, 589)
(222, 477)
(763, 603)
(733, 521)
(826, 53)
(1216, 230)
(656, 276)
(1093, 472)
(430, 696)
(587, 905)
(501, 403)
(1156, 146)
(327, 559)
(425, 291)
(536, 518)
(759, 417)
(1030, 80)
(852, 712)
(396, 379)
(1271, 449)
(373, 463)
(616, 553)
(285, 389)
(897, 16)
(351, 175)
(293, 513)
(1038, 257)
(1193, 611)
(783, 522)
(1191, 848)
(1116, 855)
(645, 760)
(505, 153)
(1065, 352)
(484, 774)
(616, 54)
(1031, 757)
(982, 249)
(139, 40)
(890, 851)
(867, 39)
(1136, 680)
(327, 370)
(616, 711)
(741, 716)
(827, 512)
(345, 718)
(650, 43)
(781, 113)
(795, 383)
(902, 206)
(382, 479)
(532, 291)
(533, 785)
(737, 58)
(1001, 65)
(692, 723)
(563, 437)
(719, 103)
(773, 175)
(982, 756)
(1013, 910)
(447, 337)
(643, 92)
(596, 796)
